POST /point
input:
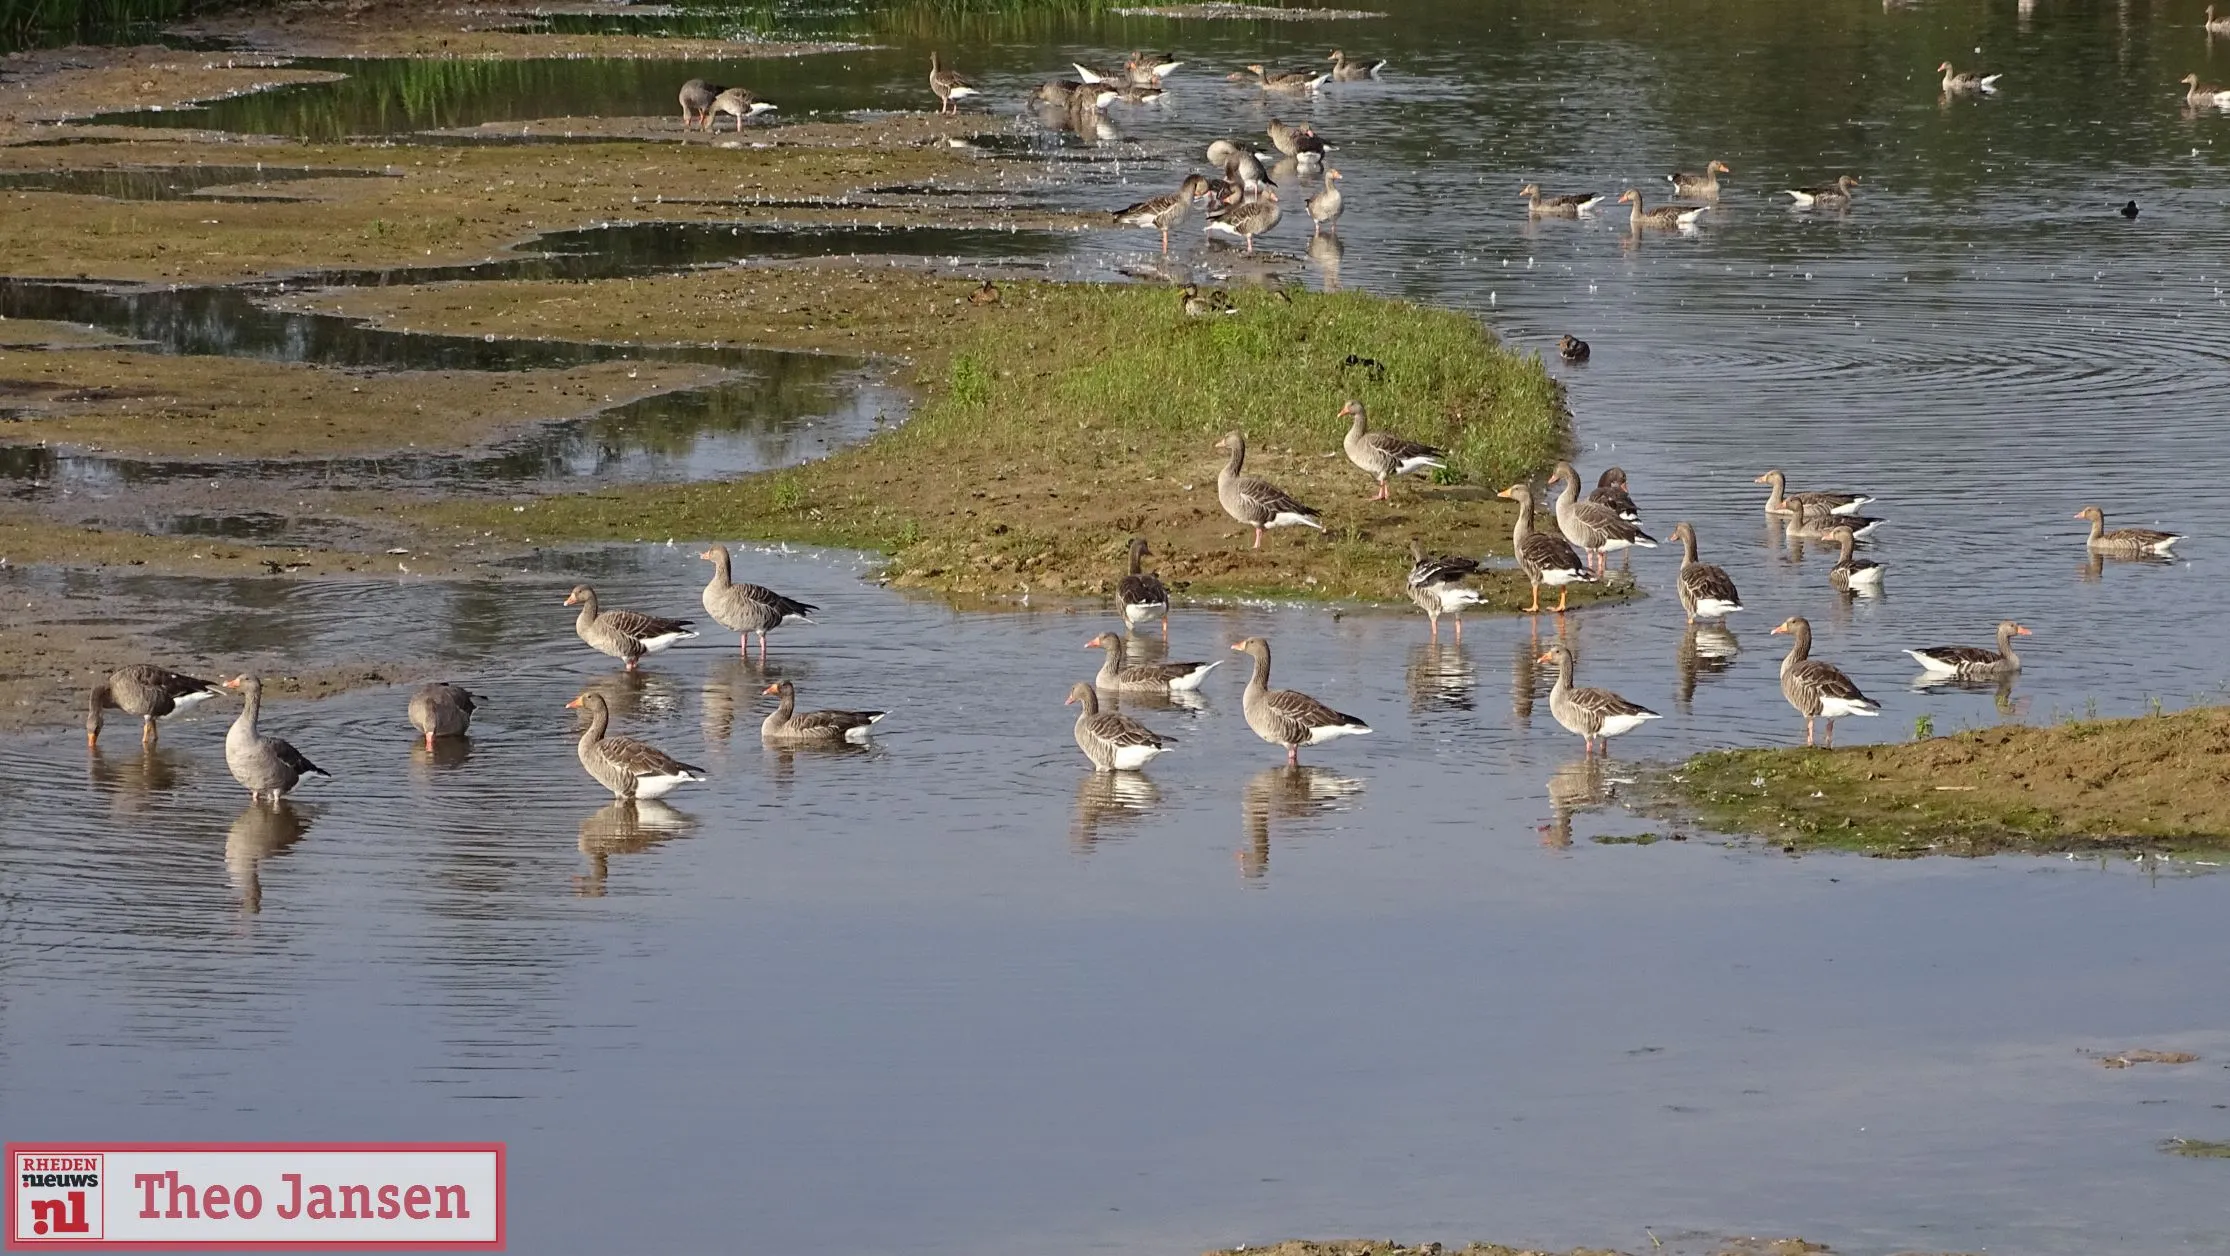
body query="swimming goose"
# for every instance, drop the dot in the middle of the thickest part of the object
(1383, 455)
(1836, 195)
(948, 86)
(266, 765)
(1540, 206)
(738, 103)
(1118, 675)
(1572, 349)
(1114, 742)
(1544, 557)
(1285, 717)
(1142, 594)
(148, 692)
(1597, 715)
(1958, 84)
(1783, 502)
(625, 635)
(1247, 220)
(1973, 662)
(623, 765)
(1068, 93)
(1133, 94)
(2204, 95)
(2216, 25)
(442, 710)
(1324, 207)
(1592, 526)
(785, 726)
(2125, 542)
(1818, 523)
(1289, 81)
(1703, 186)
(747, 608)
(1850, 572)
(696, 101)
(1818, 690)
(1346, 71)
(1610, 490)
(1436, 585)
(1664, 217)
(1255, 501)
(1706, 592)
(1166, 211)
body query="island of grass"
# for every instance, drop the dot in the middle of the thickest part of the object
(2151, 783)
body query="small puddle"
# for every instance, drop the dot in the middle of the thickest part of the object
(170, 183)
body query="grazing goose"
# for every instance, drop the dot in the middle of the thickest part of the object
(949, 87)
(2204, 95)
(1247, 220)
(1255, 501)
(1592, 526)
(1836, 195)
(1969, 662)
(1540, 206)
(1703, 186)
(1610, 490)
(1664, 217)
(1114, 742)
(1957, 84)
(2216, 25)
(1436, 585)
(1289, 82)
(747, 608)
(1597, 715)
(1118, 675)
(442, 710)
(786, 727)
(1544, 557)
(266, 765)
(738, 103)
(1783, 502)
(1142, 594)
(623, 765)
(696, 102)
(1818, 523)
(1383, 455)
(625, 635)
(1346, 71)
(1325, 206)
(2125, 542)
(148, 692)
(1706, 592)
(1166, 211)
(1572, 349)
(1285, 717)
(1850, 574)
(1818, 690)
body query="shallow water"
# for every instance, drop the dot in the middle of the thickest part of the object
(170, 183)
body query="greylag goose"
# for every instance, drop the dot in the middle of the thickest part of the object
(1285, 717)
(1544, 557)
(949, 87)
(1817, 689)
(148, 692)
(737, 103)
(625, 635)
(1118, 675)
(2216, 25)
(1346, 71)
(1114, 742)
(1070, 94)
(1289, 82)
(1148, 68)
(1540, 206)
(1957, 84)
(1255, 501)
(1325, 206)
(1572, 349)
(1967, 662)
(1249, 219)
(2204, 95)
(1703, 186)
(266, 765)
(1592, 526)
(1436, 585)
(1706, 592)
(1815, 521)
(1610, 490)
(1162, 213)
(696, 101)
(1782, 502)
(1836, 195)
(623, 765)
(1142, 594)
(747, 608)
(1298, 142)
(1851, 574)
(1662, 218)
(786, 727)
(2125, 542)
(441, 710)
(1240, 167)
(1597, 715)
(1383, 455)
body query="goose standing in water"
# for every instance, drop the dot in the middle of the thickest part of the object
(1611, 491)
(786, 727)
(1540, 206)
(441, 710)
(949, 87)
(623, 765)
(1326, 206)
(2125, 542)
(1114, 742)
(1248, 219)
(625, 635)
(1706, 592)
(1851, 574)
(1836, 195)
(1286, 717)
(1166, 212)
(1818, 690)
(1597, 715)
(747, 608)
(1957, 84)
(266, 765)
(1383, 455)
(1436, 585)
(1662, 218)
(147, 691)
(1705, 186)
(1967, 662)
(1592, 526)
(1255, 501)
(696, 101)
(737, 103)
(1782, 502)
(1544, 557)
(1118, 675)
(1142, 594)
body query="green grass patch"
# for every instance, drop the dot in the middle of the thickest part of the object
(2198, 1148)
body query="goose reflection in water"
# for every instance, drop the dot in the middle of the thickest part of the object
(624, 828)
(784, 758)
(1109, 800)
(1705, 650)
(263, 830)
(1528, 680)
(133, 785)
(2000, 689)
(446, 754)
(732, 686)
(1325, 251)
(1573, 788)
(1285, 793)
(635, 695)
(1440, 677)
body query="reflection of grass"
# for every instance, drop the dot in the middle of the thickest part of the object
(2196, 1147)
(34, 21)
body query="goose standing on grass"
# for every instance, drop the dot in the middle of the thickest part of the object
(1852, 574)
(1285, 717)
(1541, 206)
(1967, 662)
(1836, 195)
(1664, 217)
(1254, 501)
(1782, 502)
(1248, 219)
(1118, 674)
(1597, 715)
(2204, 95)
(1706, 592)
(1592, 526)
(1957, 84)
(1705, 186)
(623, 765)
(696, 101)
(2216, 25)
(745, 609)
(1114, 742)
(1142, 594)
(1325, 206)
(1436, 585)
(2126, 542)
(737, 103)
(1544, 557)
(1818, 690)
(1611, 491)
(1383, 455)
(949, 87)
(442, 710)
(785, 726)
(625, 635)
(1165, 212)
(266, 765)
(1346, 71)
(147, 691)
